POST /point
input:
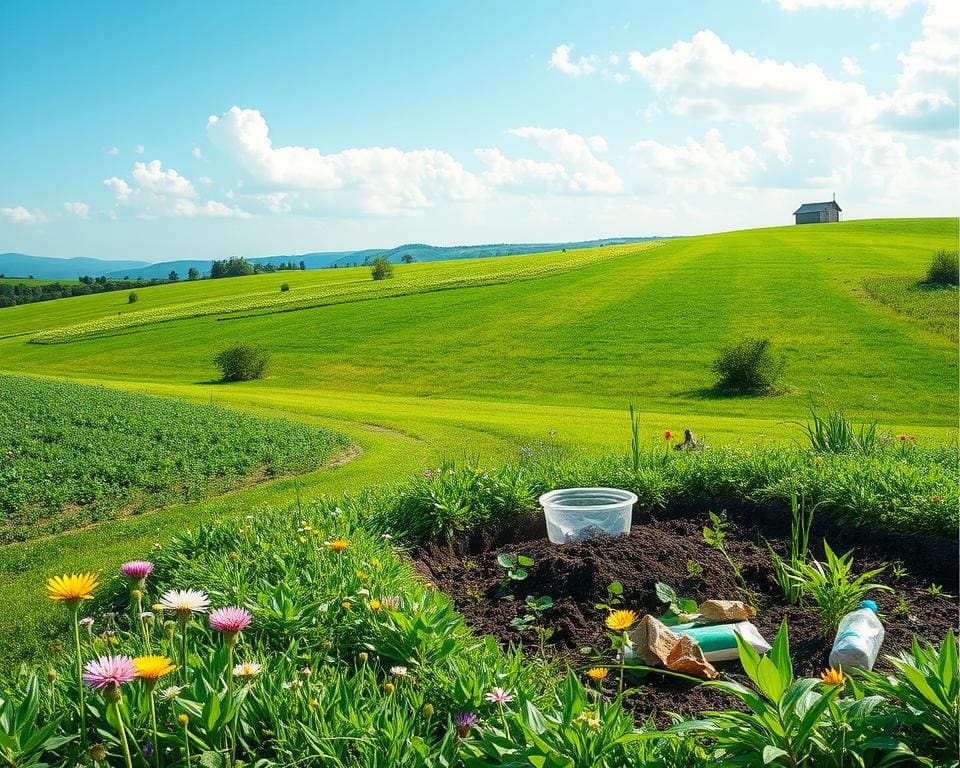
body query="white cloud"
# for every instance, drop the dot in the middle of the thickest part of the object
(80, 210)
(156, 192)
(926, 92)
(521, 173)
(21, 215)
(276, 202)
(585, 171)
(874, 47)
(708, 166)
(139, 150)
(113, 151)
(851, 66)
(388, 180)
(205, 180)
(705, 77)
(561, 61)
(197, 153)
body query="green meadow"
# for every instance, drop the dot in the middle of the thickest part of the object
(449, 396)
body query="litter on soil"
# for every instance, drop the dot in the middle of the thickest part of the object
(667, 545)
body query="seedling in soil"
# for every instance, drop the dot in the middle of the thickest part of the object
(936, 590)
(799, 550)
(903, 607)
(714, 535)
(898, 571)
(675, 604)
(831, 587)
(614, 592)
(694, 569)
(515, 567)
(534, 620)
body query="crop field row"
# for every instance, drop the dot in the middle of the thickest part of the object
(487, 272)
(73, 455)
(933, 308)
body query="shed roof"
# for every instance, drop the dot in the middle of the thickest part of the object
(817, 207)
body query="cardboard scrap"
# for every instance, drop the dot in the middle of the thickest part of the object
(726, 610)
(652, 641)
(687, 657)
(656, 645)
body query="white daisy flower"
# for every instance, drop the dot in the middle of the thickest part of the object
(184, 602)
(247, 670)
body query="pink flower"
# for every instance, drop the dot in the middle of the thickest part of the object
(231, 620)
(109, 672)
(499, 696)
(137, 570)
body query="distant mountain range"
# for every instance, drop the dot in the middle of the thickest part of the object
(45, 268)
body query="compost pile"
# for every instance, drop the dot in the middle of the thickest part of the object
(667, 545)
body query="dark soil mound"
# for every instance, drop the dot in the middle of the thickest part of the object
(667, 545)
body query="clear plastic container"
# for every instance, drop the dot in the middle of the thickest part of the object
(576, 514)
(859, 638)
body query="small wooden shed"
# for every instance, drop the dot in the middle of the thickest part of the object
(818, 213)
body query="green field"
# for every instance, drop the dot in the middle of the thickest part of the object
(519, 369)
(76, 455)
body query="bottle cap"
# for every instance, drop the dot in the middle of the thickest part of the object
(869, 604)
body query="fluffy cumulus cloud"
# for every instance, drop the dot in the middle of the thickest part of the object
(19, 214)
(696, 166)
(78, 209)
(851, 66)
(705, 77)
(926, 96)
(153, 191)
(561, 61)
(388, 180)
(584, 171)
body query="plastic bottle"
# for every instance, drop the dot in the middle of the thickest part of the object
(859, 637)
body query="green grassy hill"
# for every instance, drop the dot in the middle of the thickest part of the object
(605, 326)
(479, 358)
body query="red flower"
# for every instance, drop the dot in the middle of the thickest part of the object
(668, 435)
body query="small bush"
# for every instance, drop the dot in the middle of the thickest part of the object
(285, 287)
(944, 269)
(242, 362)
(132, 297)
(381, 268)
(748, 367)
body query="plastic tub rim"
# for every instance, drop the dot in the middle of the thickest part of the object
(629, 498)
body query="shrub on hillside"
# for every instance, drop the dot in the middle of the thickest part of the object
(747, 367)
(132, 297)
(284, 287)
(242, 362)
(381, 268)
(944, 269)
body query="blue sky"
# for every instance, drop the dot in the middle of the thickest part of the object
(192, 130)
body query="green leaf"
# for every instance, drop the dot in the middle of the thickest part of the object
(772, 754)
(506, 560)
(615, 588)
(213, 760)
(524, 560)
(665, 593)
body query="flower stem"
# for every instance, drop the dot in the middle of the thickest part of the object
(183, 651)
(153, 724)
(83, 703)
(123, 733)
(186, 742)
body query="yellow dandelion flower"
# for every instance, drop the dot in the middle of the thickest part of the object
(832, 676)
(597, 673)
(389, 687)
(621, 621)
(375, 605)
(345, 605)
(314, 703)
(72, 588)
(339, 545)
(153, 667)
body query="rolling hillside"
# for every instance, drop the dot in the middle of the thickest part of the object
(633, 321)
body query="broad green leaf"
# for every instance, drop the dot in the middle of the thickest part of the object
(772, 754)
